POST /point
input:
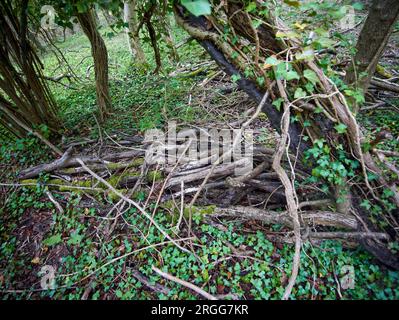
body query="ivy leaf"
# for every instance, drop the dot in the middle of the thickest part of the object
(366, 204)
(75, 238)
(272, 61)
(250, 7)
(291, 75)
(235, 77)
(299, 93)
(341, 128)
(325, 42)
(197, 7)
(309, 87)
(53, 240)
(260, 81)
(311, 76)
(277, 103)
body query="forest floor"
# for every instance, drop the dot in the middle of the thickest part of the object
(96, 256)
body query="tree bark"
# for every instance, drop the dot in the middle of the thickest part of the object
(130, 17)
(372, 42)
(100, 57)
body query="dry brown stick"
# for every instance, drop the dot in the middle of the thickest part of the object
(388, 164)
(387, 153)
(169, 176)
(49, 167)
(56, 204)
(68, 161)
(144, 280)
(186, 284)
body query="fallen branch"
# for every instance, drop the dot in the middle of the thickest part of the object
(385, 85)
(310, 218)
(67, 161)
(186, 284)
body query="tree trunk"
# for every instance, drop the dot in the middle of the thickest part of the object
(167, 31)
(21, 79)
(153, 35)
(262, 42)
(372, 41)
(100, 57)
(169, 40)
(130, 17)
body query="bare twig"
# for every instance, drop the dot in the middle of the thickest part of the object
(186, 284)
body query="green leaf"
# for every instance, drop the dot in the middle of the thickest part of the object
(309, 87)
(81, 6)
(341, 128)
(260, 81)
(291, 75)
(197, 7)
(325, 42)
(287, 35)
(273, 61)
(366, 204)
(75, 238)
(250, 7)
(235, 77)
(311, 76)
(358, 6)
(53, 240)
(277, 103)
(299, 93)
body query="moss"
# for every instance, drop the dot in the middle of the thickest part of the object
(29, 181)
(196, 211)
(115, 179)
(384, 72)
(112, 196)
(199, 211)
(132, 164)
(154, 176)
